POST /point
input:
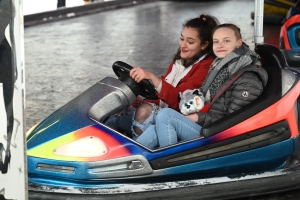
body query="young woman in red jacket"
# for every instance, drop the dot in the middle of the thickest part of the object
(187, 71)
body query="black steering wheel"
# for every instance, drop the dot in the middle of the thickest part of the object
(143, 88)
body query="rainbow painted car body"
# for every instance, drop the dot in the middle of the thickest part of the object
(71, 154)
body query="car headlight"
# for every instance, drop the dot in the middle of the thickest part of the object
(84, 147)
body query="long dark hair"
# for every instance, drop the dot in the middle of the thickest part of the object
(204, 24)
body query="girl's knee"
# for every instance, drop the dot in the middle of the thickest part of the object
(143, 112)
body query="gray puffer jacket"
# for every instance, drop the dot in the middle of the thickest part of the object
(241, 88)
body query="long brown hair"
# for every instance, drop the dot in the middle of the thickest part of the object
(204, 24)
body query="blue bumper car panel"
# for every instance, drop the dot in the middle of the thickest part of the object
(249, 141)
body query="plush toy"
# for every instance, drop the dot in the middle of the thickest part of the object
(190, 101)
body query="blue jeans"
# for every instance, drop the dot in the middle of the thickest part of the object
(122, 120)
(170, 128)
(125, 120)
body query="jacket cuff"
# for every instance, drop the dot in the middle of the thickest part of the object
(158, 89)
(199, 119)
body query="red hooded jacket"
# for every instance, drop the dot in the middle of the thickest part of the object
(193, 79)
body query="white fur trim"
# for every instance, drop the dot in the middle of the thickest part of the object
(178, 72)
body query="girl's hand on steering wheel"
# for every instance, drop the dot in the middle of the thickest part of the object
(138, 74)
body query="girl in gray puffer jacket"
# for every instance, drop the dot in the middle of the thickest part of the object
(234, 80)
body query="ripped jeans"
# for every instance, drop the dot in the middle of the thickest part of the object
(125, 120)
(171, 127)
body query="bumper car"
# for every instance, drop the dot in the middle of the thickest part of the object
(289, 42)
(73, 155)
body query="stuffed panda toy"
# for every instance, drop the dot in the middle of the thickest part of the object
(190, 101)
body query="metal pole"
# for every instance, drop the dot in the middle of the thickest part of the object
(258, 22)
